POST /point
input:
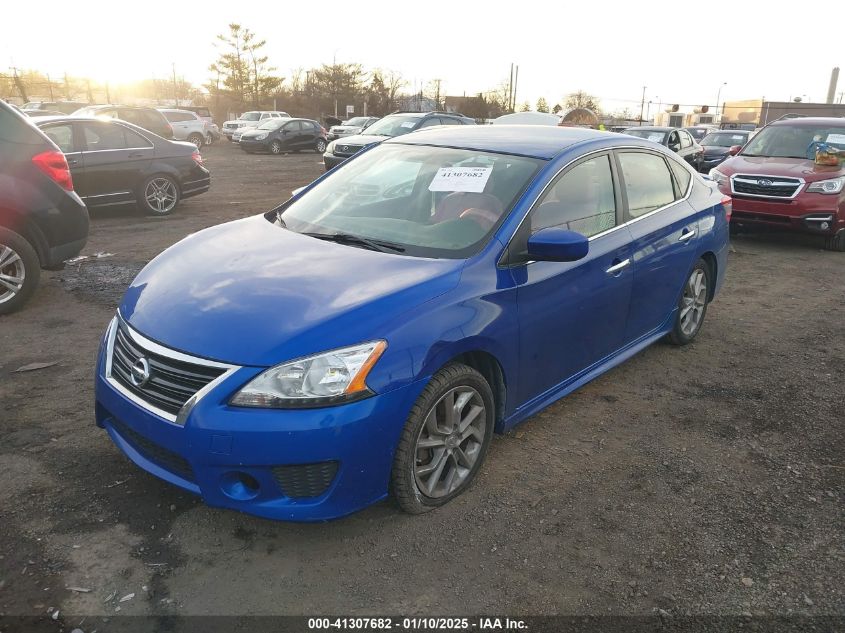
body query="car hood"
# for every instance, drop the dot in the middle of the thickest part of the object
(362, 139)
(775, 166)
(346, 128)
(252, 293)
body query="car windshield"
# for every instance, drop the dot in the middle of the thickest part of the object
(393, 125)
(724, 139)
(250, 116)
(795, 141)
(271, 124)
(417, 200)
(356, 121)
(698, 133)
(652, 135)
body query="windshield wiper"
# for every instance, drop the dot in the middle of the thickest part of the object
(355, 240)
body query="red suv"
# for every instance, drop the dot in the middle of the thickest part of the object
(776, 180)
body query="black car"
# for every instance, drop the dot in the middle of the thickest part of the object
(718, 145)
(394, 124)
(678, 140)
(698, 132)
(117, 163)
(42, 221)
(278, 136)
(147, 118)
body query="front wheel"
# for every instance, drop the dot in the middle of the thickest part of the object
(159, 195)
(692, 306)
(320, 146)
(445, 439)
(196, 139)
(836, 242)
(19, 271)
(276, 147)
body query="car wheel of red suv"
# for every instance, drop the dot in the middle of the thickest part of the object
(836, 242)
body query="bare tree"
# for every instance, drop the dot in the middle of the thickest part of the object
(581, 99)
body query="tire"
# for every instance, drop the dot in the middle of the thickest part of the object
(276, 147)
(836, 242)
(320, 146)
(692, 306)
(197, 139)
(424, 477)
(161, 202)
(19, 271)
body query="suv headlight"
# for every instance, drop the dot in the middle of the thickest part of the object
(834, 185)
(718, 176)
(333, 377)
(330, 147)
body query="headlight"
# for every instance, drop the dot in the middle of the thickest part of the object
(261, 137)
(718, 176)
(834, 185)
(329, 378)
(330, 147)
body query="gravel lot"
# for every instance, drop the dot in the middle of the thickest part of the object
(702, 480)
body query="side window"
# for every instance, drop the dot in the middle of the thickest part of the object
(178, 117)
(648, 182)
(581, 200)
(133, 139)
(103, 136)
(674, 142)
(61, 135)
(686, 140)
(449, 121)
(682, 177)
(430, 122)
(293, 126)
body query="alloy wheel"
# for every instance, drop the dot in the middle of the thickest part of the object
(12, 273)
(161, 195)
(693, 302)
(450, 442)
(321, 146)
(276, 147)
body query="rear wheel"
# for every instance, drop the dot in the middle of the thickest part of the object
(276, 147)
(159, 195)
(197, 139)
(692, 306)
(19, 271)
(320, 146)
(445, 439)
(209, 139)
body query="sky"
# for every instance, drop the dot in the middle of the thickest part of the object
(680, 52)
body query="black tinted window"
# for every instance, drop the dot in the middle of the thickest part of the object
(648, 182)
(580, 200)
(430, 122)
(133, 139)
(102, 136)
(449, 121)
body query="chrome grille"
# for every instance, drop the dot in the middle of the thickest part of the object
(170, 383)
(346, 150)
(761, 186)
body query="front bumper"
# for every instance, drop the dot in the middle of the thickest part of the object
(276, 452)
(331, 161)
(251, 145)
(709, 162)
(807, 213)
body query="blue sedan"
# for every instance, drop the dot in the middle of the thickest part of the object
(367, 337)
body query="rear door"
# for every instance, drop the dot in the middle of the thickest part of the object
(65, 135)
(664, 234)
(115, 160)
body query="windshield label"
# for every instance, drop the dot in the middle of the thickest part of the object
(839, 139)
(466, 179)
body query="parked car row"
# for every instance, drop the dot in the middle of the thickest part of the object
(232, 129)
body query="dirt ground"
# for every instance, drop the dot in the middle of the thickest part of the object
(701, 480)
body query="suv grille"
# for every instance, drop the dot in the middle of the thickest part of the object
(765, 186)
(346, 150)
(171, 382)
(155, 453)
(305, 480)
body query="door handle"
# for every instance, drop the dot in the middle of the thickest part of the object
(686, 236)
(73, 161)
(617, 267)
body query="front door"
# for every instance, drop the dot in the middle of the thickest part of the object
(664, 230)
(572, 314)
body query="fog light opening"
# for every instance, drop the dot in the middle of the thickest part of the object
(239, 486)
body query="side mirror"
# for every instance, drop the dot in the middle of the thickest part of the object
(734, 150)
(557, 245)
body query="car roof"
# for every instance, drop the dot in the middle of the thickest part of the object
(536, 141)
(652, 128)
(811, 121)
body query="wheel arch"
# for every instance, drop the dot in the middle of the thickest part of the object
(713, 265)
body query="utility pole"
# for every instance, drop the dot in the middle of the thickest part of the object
(50, 86)
(19, 84)
(437, 93)
(510, 88)
(67, 88)
(642, 106)
(515, 85)
(175, 89)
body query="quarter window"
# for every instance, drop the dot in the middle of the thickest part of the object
(581, 200)
(682, 178)
(648, 182)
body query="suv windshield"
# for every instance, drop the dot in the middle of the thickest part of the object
(250, 116)
(421, 201)
(652, 135)
(358, 120)
(395, 125)
(795, 141)
(724, 139)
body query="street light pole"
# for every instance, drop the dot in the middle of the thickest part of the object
(642, 106)
(719, 95)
